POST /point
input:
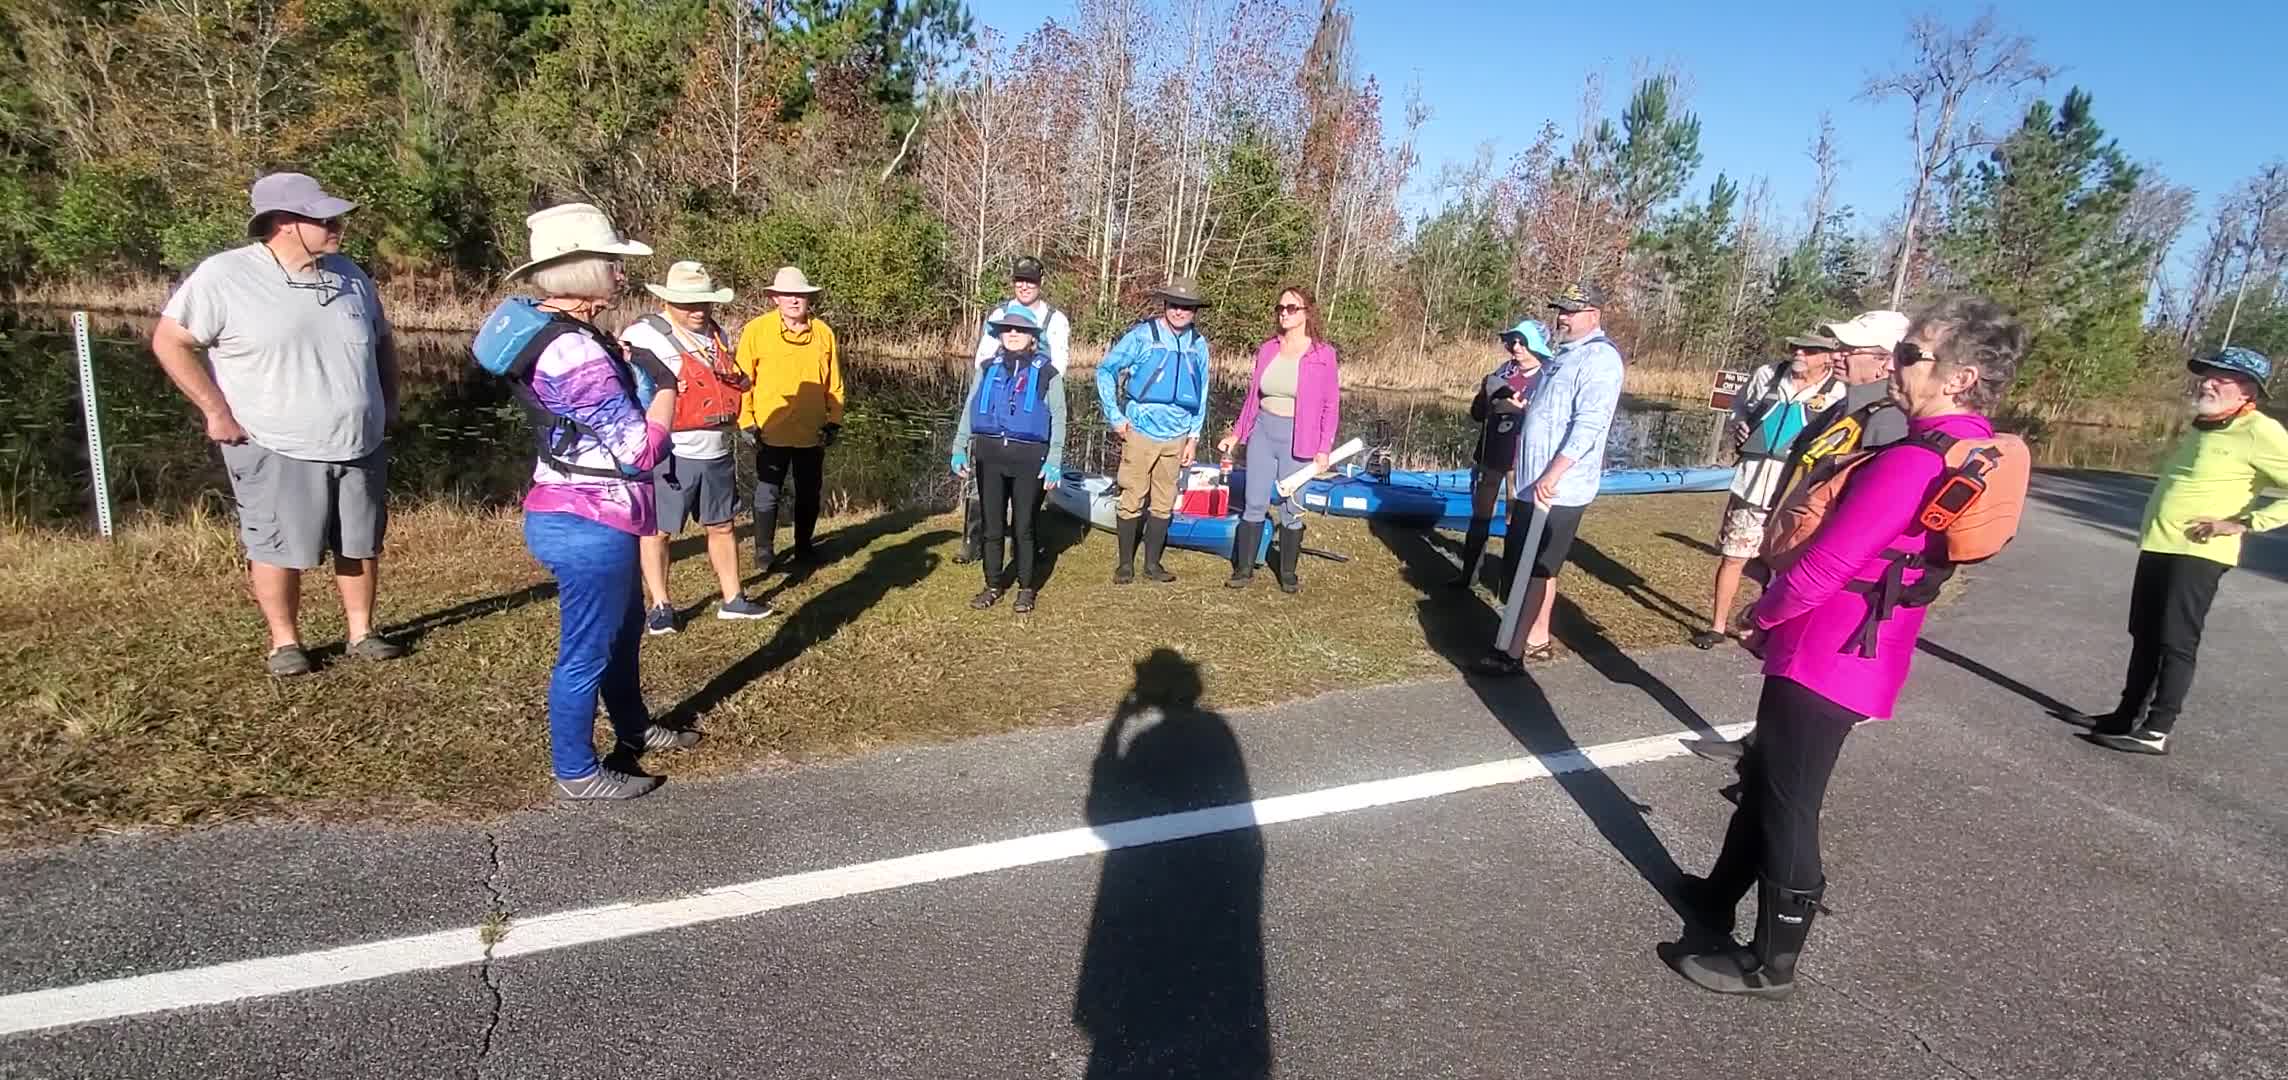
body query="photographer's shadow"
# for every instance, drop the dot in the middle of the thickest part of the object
(1172, 980)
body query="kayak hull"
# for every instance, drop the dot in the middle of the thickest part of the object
(1441, 499)
(1095, 500)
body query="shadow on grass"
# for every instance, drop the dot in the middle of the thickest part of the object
(1172, 980)
(822, 616)
(1460, 627)
(1701, 546)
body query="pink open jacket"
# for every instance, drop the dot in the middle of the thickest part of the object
(1811, 614)
(1318, 398)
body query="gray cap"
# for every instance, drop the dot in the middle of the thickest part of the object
(292, 193)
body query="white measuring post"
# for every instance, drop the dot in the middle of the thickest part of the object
(1513, 609)
(88, 409)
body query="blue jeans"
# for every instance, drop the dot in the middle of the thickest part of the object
(601, 626)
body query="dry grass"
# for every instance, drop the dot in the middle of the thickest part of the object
(133, 695)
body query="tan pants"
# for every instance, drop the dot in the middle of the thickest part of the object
(1149, 466)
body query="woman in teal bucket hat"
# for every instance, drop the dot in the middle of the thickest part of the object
(1499, 408)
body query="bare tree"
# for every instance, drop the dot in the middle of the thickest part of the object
(2263, 197)
(1948, 71)
(1826, 162)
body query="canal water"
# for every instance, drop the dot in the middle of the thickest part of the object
(462, 437)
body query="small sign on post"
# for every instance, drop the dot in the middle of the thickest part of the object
(95, 470)
(1727, 387)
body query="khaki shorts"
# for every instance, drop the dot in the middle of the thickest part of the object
(1741, 534)
(1148, 467)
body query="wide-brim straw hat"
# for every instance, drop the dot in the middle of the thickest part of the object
(690, 282)
(574, 229)
(790, 281)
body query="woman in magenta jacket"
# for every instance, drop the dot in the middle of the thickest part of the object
(1288, 422)
(1954, 364)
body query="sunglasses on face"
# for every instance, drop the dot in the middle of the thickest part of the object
(1287, 309)
(1908, 354)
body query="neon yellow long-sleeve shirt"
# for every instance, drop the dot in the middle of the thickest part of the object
(2219, 473)
(797, 380)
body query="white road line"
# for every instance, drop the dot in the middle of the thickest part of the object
(272, 975)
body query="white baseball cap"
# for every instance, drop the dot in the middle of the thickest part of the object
(1869, 330)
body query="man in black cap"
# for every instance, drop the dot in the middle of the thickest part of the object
(1056, 340)
(302, 386)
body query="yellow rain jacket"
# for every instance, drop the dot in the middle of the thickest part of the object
(797, 380)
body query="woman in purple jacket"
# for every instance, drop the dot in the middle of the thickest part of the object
(1954, 364)
(1288, 422)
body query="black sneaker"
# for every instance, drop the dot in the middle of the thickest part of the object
(2140, 741)
(659, 620)
(2112, 723)
(287, 661)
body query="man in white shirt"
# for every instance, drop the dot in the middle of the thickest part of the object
(303, 383)
(701, 481)
(1056, 340)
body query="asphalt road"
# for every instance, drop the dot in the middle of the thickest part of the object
(2010, 900)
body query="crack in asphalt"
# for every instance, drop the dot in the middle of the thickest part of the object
(495, 926)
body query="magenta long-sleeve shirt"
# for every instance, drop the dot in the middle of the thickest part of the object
(1810, 612)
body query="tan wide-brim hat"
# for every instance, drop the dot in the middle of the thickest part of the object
(690, 282)
(574, 229)
(790, 280)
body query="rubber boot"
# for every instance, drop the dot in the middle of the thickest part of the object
(766, 539)
(1127, 530)
(1244, 540)
(972, 532)
(1473, 549)
(1290, 553)
(1156, 541)
(1766, 968)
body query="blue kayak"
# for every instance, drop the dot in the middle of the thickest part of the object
(1442, 499)
(1093, 499)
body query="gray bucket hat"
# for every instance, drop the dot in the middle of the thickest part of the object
(292, 193)
(1181, 292)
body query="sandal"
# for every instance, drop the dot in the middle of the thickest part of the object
(1498, 664)
(1708, 639)
(1540, 654)
(986, 599)
(1025, 598)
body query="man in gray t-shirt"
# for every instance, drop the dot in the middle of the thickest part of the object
(297, 383)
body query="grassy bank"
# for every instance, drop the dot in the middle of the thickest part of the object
(133, 693)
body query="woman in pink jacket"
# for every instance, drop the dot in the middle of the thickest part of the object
(1288, 422)
(1954, 364)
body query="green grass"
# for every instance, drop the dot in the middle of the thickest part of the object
(132, 693)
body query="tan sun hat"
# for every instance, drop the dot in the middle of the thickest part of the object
(574, 229)
(689, 282)
(790, 280)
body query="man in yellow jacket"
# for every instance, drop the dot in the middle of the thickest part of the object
(2210, 491)
(793, 409)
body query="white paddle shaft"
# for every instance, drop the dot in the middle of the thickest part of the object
(1299, 477)
(1514, 608)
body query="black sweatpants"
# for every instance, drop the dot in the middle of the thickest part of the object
(1008, 492)
(773, 464)
(1774, 833)
(2168, 607)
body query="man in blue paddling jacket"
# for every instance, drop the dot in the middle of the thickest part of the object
(1158, 410)
(1562, 450)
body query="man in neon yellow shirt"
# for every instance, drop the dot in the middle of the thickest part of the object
(2210, 491)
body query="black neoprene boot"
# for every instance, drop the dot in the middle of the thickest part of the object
(1473, 549)
(766, 539)
(1244, 540)
(1766, 967)
(1156, 541)
(1127, 529)
(1290, 553)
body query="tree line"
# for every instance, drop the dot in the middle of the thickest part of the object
(903, 155)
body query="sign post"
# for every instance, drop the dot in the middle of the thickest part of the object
(1726, 388)
(95, 465)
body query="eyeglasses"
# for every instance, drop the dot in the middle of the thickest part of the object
(1288, 309)
(1907, 354)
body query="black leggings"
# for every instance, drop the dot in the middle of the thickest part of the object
(1774, 834)
(1008, 491)
(772, 464)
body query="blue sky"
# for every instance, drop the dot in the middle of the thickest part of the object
(2193, 86)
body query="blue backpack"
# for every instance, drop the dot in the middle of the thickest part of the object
(509, 344)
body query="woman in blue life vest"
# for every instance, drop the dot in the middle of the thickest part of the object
(1012, 437)
(1499, 408)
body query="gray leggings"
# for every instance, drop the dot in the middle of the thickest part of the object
(1270, 458)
